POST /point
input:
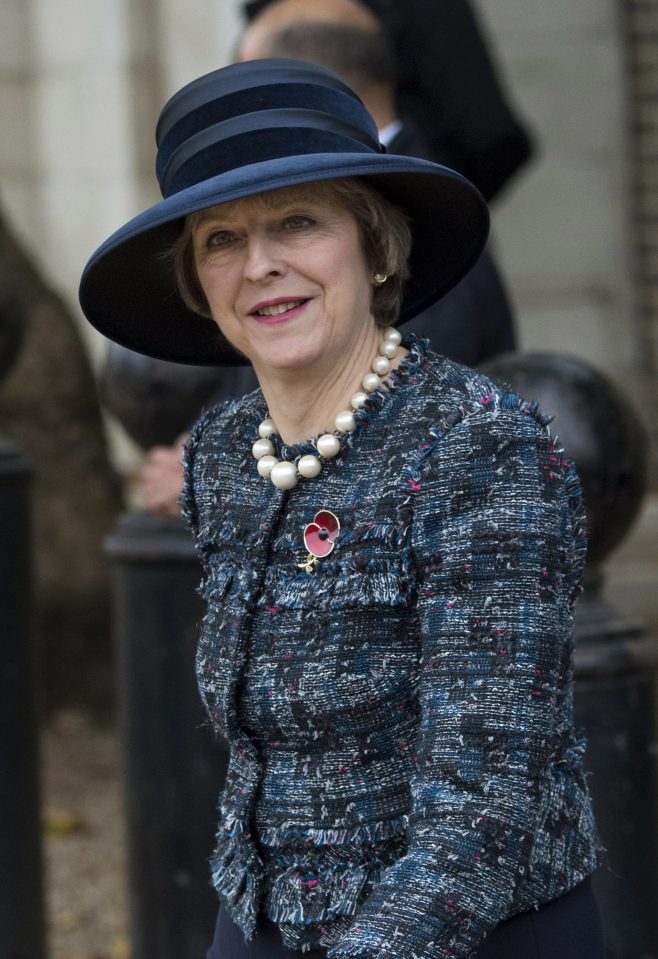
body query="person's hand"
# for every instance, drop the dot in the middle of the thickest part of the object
(160, 479)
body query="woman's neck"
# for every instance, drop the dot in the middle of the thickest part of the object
(304, 403)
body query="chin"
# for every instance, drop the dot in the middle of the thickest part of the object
(288, 361)
(288, 355)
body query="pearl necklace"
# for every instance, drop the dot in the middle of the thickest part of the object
(285, 474)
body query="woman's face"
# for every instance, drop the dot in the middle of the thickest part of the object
(285, 277)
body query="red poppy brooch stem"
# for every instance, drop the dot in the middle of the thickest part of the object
(319, 538)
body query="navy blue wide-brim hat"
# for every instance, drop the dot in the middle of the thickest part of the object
(246, 129)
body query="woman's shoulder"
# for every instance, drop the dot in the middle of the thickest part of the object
(453, 394)
(218, 433)
(485, 445)
(473, 426)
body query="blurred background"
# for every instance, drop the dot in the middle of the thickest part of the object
(575, 234)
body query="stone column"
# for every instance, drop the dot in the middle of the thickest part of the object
(639, 20)
(562, 229)
(22, 914)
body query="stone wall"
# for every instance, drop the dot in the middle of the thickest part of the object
(563, 228)
(66, 160)
(80, 86)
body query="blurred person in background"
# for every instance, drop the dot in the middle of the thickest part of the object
(474, 321)
(392, 545)
(448, 85)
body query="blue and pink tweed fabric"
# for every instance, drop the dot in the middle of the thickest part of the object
(404, 771)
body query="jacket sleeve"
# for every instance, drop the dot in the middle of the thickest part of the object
(200, 442)
(187, 498)
(498, 545)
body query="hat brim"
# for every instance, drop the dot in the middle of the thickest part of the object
(128, 293)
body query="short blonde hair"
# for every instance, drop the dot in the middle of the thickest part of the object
(385, 235)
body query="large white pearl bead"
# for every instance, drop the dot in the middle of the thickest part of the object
(262, 447)
(266, 428)
(392, 335)
(381, 366)
(389, 349)
(328, 445)
(284, 475)
(345, 421)
(265, 464)
(359, 400)
(309, 466)
(371, 382)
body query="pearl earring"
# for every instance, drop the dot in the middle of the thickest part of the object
(380, 278)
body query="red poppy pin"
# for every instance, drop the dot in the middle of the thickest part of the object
(319, 538)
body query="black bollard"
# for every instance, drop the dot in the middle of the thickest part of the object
(22, 921)
(616, 703)
(173, 766)
(155, 401)
(616, 663)
(174, 769)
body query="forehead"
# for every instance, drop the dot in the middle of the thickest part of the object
(272, 201)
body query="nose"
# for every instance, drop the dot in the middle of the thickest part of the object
(263, 258)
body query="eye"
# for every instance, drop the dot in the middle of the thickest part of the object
(219, 238)
(297, 221)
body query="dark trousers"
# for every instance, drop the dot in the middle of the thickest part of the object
(568, 928)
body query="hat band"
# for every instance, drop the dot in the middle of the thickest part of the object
(202, 93)
(272, 134)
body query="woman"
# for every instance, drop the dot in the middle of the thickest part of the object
(387, 646)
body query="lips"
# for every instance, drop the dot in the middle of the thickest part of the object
(274, 308)
(279, 308)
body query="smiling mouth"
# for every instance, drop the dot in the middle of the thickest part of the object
(278, 308)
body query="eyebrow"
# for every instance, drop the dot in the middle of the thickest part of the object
(272, 202)
(208, 216)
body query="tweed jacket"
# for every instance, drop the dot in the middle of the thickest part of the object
(404, 771)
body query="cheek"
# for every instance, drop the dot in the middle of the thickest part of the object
(216, 284)
(355, 259)
(358, 289)
(349, 273)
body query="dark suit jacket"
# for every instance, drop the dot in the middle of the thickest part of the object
(474, 320)
(449, 85)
